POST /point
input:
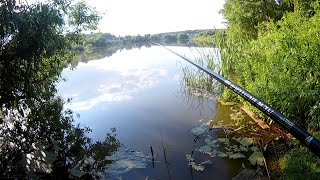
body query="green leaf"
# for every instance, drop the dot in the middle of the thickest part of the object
(246, 141)
(236, 156)
(256, 158)
(318, 167)
(195, 166)
(189, 158)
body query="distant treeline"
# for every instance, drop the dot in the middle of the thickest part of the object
(98, 40)
(206, 38)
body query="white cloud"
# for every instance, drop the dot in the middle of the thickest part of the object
(126, 84)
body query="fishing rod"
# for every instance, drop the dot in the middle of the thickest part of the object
(302, 135)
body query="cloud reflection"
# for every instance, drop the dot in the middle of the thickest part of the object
(121, 87)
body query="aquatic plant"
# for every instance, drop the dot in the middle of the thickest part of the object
(232, 148)
(124, 161)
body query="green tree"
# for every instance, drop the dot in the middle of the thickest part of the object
(155, 38)
(99, 41)
(169, 39)
(243, 17)
(183, 36)
(35, 46)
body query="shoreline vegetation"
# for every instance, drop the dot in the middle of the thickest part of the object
(270, 48)
(99, 40)
(100, 45)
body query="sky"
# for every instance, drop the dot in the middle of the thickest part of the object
(132, 17)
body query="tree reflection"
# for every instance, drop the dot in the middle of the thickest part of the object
(38, 138)
(43, 141)
(99, 53)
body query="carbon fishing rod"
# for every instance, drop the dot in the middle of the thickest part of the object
(302, 135)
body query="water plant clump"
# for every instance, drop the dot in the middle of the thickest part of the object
(124, 161)
(224, 147)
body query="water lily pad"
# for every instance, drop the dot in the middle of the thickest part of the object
(208, 150)
(206, 162)
(125, 161)
(189, 157)
(212, 142)
(242, 148)
(200, 129)
(236, 156)
(222, 154)
(256, 158)
(254, 148)
(195, 166)
(224, 140)
(246, 141)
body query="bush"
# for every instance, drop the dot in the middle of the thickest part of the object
(295, 166)
(281, 66)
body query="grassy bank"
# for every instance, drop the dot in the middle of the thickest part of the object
(272, 51)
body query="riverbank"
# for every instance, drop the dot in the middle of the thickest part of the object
(281, 151)
(270, 49)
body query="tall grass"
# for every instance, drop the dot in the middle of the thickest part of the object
(198, 81)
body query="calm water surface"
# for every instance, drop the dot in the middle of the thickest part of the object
(138, 92)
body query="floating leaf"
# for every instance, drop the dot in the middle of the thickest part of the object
(256, 158)
(206, 162)
(242, 148)
(125, 161)
(246, 141)
(234, 148)
(189, 157)
(200, 129)
(195, 166)
(208, 140)
(236, 156)
(224, 140)
(254, 148)
(222, 154)
(206, 148)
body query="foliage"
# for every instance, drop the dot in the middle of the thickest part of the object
(167, 39)
(243, 17)
(226, 147)
(270, 48)
(37, 136)
(102, 40)
(281, 66)
(126, 161)
(273, 55)
(35, 47)
(295, 166)
(183, 38)
(206, 38)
